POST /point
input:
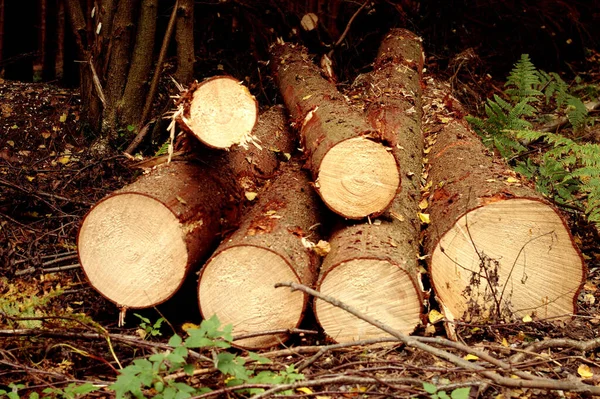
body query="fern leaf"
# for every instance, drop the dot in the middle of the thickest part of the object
(523, 81)
(576, 112)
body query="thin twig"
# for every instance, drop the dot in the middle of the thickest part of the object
(124, 339)
(274, 332)
(343, 35)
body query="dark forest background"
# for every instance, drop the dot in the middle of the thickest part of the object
(41, 41)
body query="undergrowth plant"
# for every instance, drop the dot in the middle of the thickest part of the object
(563, 169)
(157, 376)
(154, 375)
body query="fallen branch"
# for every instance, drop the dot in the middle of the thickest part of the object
(423, 344)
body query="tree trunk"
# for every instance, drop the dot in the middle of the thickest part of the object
(355, 174)
(137, 245)
(237, 283)
(136, 89)
(373, 267)
(184, 36)
(60, 40)
(220, 112)
(497, 249)
(121, 40)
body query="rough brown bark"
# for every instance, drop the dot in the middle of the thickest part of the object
(91, 106)
(237, 283)
(354, 173)
(497, 248)
(60, 40)
(136, 88)
(373, 267)
(184, 36)
(137, 245)
(78, 26)
(121, 43)
(220, 112)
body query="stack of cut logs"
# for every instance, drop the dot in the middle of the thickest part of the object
(494, 247)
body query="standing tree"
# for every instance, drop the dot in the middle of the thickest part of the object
(116, 46)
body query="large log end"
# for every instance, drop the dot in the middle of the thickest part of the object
(237, 285)
(357, 178)
(511, 257)
(133, 250)
(377, 288)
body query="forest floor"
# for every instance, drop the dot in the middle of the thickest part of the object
(55, 330)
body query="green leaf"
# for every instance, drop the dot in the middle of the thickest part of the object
(175, 341)
(188, 369)
(429, 388)
(84, 389)
(443, 395)
(258, 358)
(461, 393)
(228, 363)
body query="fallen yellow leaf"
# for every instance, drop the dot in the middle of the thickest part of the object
(304, 390)
(64, 159)
(423, 204)
(435, 316)
(471, 357)
(504, 342)
(584, 371)
(250, 196)
(63, 118)
(424, 217)
(512, 180)
(527, 319)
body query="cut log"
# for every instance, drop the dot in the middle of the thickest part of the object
(237, 283)
(137, 245)
(373, 267)
(497, 248)
(220, 112)
(353, 171)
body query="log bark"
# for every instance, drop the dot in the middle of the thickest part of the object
(220, 112)
(137, 245)
(373, 267)
(353, 171)
(497, 248)
(237, 283)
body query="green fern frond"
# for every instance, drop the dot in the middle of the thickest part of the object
(576, 112)
(523, 81)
